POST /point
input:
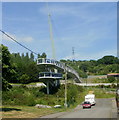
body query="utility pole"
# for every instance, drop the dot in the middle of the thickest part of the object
(65, 87)
(73, 54)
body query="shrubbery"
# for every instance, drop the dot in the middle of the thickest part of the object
(31, 96)
(18, 96)
(111, 79)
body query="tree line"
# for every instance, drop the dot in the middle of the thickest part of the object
(23, 69)
(103, 66)
(18, 68)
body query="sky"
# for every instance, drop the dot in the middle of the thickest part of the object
(89, 27)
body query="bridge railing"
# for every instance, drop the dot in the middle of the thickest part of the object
(50, 61)
(58, 64)
(50, 75)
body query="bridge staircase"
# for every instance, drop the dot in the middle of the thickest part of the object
(52, 79)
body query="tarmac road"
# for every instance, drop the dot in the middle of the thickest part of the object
(101, 110)
(104, 108)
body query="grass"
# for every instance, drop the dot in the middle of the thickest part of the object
(33, 83)
(101, 92)
(15, 99)
(96, 80)
(26, 111)
(21, 111)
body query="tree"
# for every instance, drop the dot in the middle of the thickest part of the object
(83, 67)
(108, 60)
(22, 56)
(32, 56)
(6, 68)
(5, 62)
(32, 71)
(5, 85)
(43, 55)
(38, 56)
(27, 56)
(25, 67)
(111, 79)
(24, 79)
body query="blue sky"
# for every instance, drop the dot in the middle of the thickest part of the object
(90, 27)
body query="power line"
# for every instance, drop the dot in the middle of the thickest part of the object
(18, 42)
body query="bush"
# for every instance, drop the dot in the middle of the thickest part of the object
(18, 96)
(5, 85)
(24, 79)
(73, 93)
(111, 79)
(23, 95)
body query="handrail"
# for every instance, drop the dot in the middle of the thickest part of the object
(50, 75)
(58, 64)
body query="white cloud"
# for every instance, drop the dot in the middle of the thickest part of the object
(64, 9)
(26, 39)
(83, 40)
(83, 11)
(4, 37)
(54, 8)
(20, 19)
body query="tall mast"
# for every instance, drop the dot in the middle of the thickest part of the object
(51, 35)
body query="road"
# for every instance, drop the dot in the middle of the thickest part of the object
(104, 108)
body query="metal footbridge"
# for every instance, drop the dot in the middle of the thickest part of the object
(50, 75)
(54, 68)
(58, 65)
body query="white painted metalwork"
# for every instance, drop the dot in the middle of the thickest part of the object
(50, 75)
(58, 64)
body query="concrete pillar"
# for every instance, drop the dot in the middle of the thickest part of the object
(48, 91)
(58, 82)
(55, 70)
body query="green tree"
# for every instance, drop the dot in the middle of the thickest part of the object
(6, 68)
(22, 55)
(43, 55)
(108, 60)
(32, 56)
(26, 66)
(38, 56)
(111, 79)
(27, 56)
(24, 79)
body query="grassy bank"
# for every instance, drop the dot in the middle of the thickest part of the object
(101, 92)
(26, 111)
(20, 102)
(30, 96)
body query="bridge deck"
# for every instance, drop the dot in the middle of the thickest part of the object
(43, 61)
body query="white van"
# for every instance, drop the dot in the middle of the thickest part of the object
(90, 98)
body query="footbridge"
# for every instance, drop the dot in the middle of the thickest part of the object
(52, 78)
(58, 65)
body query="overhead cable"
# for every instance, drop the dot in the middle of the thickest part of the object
(17, 42)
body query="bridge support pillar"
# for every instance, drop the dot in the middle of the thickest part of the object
(48, 89)
(57, 83)
(55, 70)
